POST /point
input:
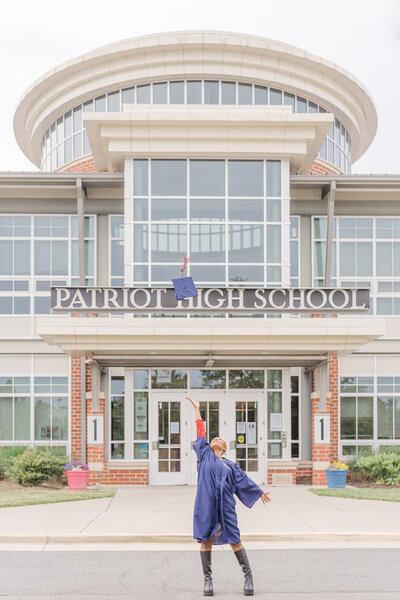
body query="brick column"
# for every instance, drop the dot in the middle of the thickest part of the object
(76, 421)
(323, 454)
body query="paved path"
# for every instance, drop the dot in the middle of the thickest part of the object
(278, 575)
(167, 511)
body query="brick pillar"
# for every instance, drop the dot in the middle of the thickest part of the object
(96, 455)
(323, 454)
(76, 423)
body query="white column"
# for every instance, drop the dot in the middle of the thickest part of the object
(128, 221)
(285, 178)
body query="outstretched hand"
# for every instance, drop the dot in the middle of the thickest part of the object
(265, 498)
(194, 402)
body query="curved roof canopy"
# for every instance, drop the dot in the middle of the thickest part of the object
(188, 54)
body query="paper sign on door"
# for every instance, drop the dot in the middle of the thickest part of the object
(251, 433)
(275, 421)
(174, 427)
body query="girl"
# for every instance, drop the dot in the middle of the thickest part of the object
(214, 518)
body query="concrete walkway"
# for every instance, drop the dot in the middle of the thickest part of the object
(164, 514)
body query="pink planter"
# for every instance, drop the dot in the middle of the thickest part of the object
(77, 480)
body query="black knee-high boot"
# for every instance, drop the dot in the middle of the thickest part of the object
(206, 564)
(248, 588)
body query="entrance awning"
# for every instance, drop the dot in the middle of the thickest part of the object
(209, 342)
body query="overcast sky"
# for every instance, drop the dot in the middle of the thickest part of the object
(362, 36)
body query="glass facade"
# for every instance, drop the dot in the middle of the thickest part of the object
(369, 414)
(67, 139)
(131, 397)
(225, 215)
(365, 253)
(38, 251)
(34, 411)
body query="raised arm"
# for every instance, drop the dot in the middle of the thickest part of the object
(199, 421)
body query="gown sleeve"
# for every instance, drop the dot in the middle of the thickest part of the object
(246, 490)
(201, 446)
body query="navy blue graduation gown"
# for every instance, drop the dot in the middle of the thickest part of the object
(214, 507)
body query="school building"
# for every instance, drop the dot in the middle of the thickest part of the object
(236, 151)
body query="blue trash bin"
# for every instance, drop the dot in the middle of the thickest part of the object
(336, 478)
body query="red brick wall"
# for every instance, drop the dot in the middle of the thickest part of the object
(322, 168)
(326, 452)
(76, 446)
(96, 453)
(84, 166)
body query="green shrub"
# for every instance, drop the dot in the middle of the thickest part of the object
(6, 453)
(382, 467)
(33, 467)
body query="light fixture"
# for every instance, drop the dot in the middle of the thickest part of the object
(210, 362)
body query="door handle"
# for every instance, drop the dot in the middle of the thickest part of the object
(155, 445)
(232, 445)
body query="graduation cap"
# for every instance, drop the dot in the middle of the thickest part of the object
(184, 286)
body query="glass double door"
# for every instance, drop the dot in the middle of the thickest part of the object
(234, 416)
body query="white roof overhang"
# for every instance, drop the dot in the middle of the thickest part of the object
(189, 342)
(211, 132)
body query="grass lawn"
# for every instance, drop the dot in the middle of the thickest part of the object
(367, 493)
(22, 496)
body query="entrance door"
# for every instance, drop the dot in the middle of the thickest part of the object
(213, 413)
(168, 430)
(247, 439)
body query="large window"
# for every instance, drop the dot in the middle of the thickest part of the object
(67, 139)
(38, 252)
(34, 410)
(131, 399)
(365, 253)
(225, 215)
(369, 413)
(116, 250)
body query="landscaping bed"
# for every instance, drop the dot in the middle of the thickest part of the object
(12, 494)
(389, 494)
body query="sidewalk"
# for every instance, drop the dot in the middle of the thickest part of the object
(160, 514)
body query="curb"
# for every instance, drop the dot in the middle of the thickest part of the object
(60, 538)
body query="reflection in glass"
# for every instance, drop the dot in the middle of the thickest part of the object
(140, 243)
(207, 209)
(42, 418)
(168, 209)
(169, 379)
(207, 379)
(385, 417)
(140, 209)
(117, 418)
(245, 210)
(6, 432)
(246, 243)
(245, 273)
(348, 418)
(168, 243)
(246, 379)
(207, 243)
